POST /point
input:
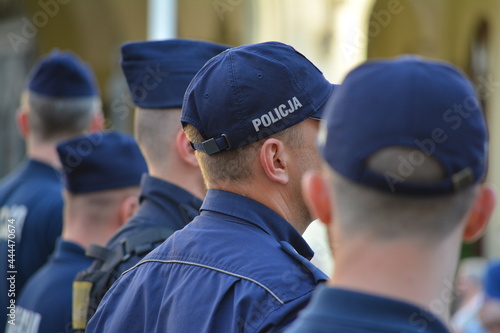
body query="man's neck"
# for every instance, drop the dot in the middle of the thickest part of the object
(270, 196)
(43, 152)
(404, 270)
(189, 181)
(83, 233)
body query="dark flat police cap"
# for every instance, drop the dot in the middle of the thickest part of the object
(250, 92)
(158, 72)
(62, 74)
(101, 161)
(426, 106)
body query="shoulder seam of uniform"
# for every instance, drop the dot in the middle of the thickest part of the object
(208, 267)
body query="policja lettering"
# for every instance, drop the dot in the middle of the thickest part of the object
(280, 112)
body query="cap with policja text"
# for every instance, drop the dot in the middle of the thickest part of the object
(101, 161)
(426, 106)
(250, 92)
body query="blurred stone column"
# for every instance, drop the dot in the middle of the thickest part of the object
(16, 58)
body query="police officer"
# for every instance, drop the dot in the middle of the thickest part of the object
(61, 100)
(405, 148)
(241, 266)
(102, 173)
(157, 73)
(487, 320)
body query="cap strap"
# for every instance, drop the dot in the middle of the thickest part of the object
(212, 146)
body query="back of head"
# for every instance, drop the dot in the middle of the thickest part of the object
(157, 74)
(406, 146)
(245, 95)
(99, 170)
(61, 97)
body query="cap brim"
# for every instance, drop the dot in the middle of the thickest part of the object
(321, 109)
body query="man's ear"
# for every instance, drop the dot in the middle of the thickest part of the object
(479, 214)
(22, 118)
(273, 160)
(128, 208)
(316, 193)
(186, 152)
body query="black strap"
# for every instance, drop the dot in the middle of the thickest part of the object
(98, 252)
(212, 145)
(138, 244)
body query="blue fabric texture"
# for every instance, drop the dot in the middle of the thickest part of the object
(61, 74)
(49, 291)
(158, 72)
(162, 205)
(428, 107)
(31, 196)
(492, 280)
(101, 161)
(347, 311)
(238, 267)
(250, 92)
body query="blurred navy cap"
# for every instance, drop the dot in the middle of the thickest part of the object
(427, 106)
(158, 72)
(492, 280)
(62, 74)
(250, 92)
(101, 161)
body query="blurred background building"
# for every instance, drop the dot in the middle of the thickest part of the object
(335, 34)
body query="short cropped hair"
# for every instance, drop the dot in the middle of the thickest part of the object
(154, 131)
(52, 118)
(391, 216)
(99, 206)
(233, 165)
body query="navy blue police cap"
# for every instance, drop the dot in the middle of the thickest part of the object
(158, 72)
(250, 92)
(426, 106)
(61, 74)
(101, 161)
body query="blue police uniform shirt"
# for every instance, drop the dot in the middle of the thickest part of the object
(162, 204)
(347, 311)
(31, 196)
(238, 267)
(46, 299)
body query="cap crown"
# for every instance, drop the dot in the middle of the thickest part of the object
(62, 75)
(158, 72)
(250, 92)
(101, 161)
(429, 107)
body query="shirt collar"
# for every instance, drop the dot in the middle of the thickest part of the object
(42, 168)
(351, 306)
(159, 195)
(255, 213)
(65, 250)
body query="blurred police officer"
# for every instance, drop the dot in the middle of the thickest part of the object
(102, 173)
(61, 100)
(242, 265)
(489, 313)
(157, 73)
(405, 148)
